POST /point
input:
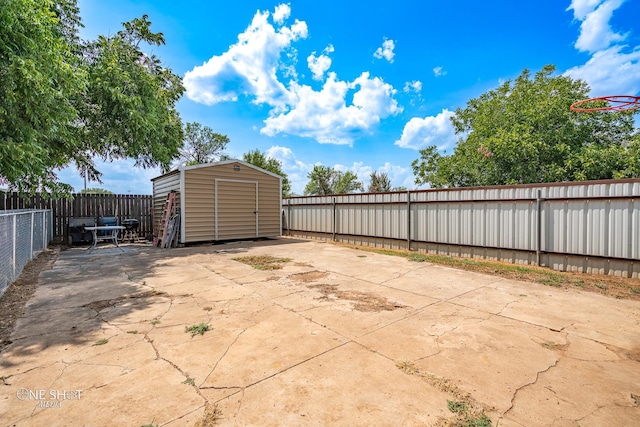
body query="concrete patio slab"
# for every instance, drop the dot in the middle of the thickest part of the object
(346, 385)
(338, 336)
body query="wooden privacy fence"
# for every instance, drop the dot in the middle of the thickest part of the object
(122, 206)
(591, 226)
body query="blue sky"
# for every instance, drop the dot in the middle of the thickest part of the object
(356, 85)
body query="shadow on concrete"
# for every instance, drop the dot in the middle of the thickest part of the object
(88, 291)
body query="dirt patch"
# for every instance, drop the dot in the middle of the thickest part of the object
(302, 264)
(466, 410)
(210, 418)
(549, 345)
(263, 262)
(21, 290)
(310, 276)
(102, 304)
(362, 301)
(625, 353)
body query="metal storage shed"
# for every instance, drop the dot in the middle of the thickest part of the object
(221, 201)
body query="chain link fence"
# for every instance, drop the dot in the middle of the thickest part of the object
(24, 233)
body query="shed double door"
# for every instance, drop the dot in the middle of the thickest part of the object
(236, 209)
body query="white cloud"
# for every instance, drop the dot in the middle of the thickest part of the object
(281, 13)
(414, 86)
(362, 171)
(610, 72)
(439, 71)
(386, 50)
(320, 64)
(613, 68)
(249, 67)
(288, 159)
(581, 8)
(119, 177)
(325, 116)
(297, 170)
(254, 66)
(422, 132)
(595, 30)
(398, 175)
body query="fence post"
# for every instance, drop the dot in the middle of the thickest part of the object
(538, 226)
(13, 252)
(408, 219)
(289, 217)
(45, 230)
(33, 223)
(334, 219)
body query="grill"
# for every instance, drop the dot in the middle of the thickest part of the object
(77, 234)
(131, 229)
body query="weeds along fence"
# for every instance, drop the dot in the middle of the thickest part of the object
(23, 235)
(591, 227)
(122, 206)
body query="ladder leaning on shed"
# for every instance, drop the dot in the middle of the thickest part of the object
(168, 211)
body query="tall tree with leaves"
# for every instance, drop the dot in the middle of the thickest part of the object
(128, 110)
(201, 145)
(259, 159)
(379, 182)
(36, 116)
(524, 132)
(64, 101)
(325, 180)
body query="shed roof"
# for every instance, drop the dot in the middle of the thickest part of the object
(214, 164)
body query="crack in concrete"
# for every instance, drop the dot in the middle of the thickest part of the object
(223, 355)
(515, 393)
(241, 391)
(437, 343)
(499, 313)
(66, 365)
(213, 387)
(176, 367)
(203, 406)
(519, 320)
(598, 407)
(243, 388)
(362, 279)
(474, 408)
(462, 294)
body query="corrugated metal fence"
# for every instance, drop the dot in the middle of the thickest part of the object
(122, 206)
(589, 227)
(23, 235)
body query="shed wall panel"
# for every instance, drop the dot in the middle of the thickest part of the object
(199, 209)
(236, 209)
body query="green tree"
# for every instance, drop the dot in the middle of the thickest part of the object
(64, 101)
(379, 182)
(36, 115)
(325, 180)
(95, 191)
(524, 132)
(201, 145)
(128, 109)
(259, 159)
